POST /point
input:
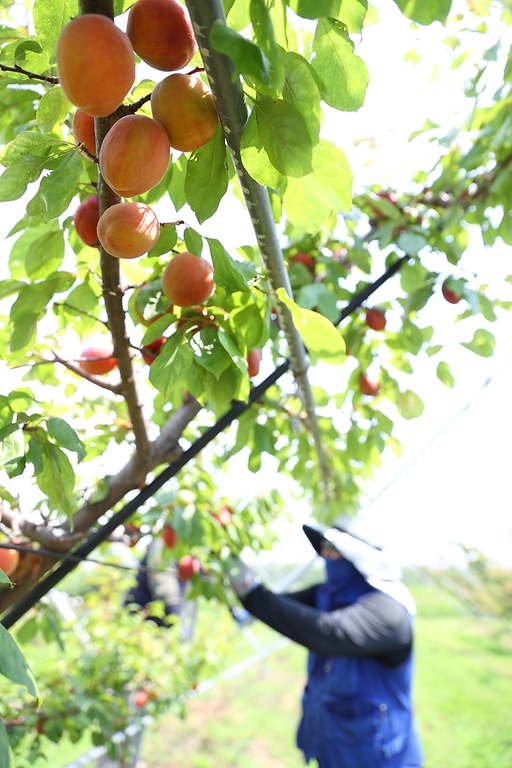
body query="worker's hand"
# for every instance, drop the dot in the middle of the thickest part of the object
(240, 576)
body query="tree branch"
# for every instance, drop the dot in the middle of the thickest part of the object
(113, 297)
(165, 449)
(117, 389)
(31, 75)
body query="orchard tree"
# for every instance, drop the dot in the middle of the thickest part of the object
(132, 339)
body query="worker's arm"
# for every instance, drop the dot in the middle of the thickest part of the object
(376, 625)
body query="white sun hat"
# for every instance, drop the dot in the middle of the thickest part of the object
(351, 537)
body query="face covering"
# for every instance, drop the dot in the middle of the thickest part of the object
(344, 585)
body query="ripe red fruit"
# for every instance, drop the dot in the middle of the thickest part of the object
(303, 258)
(140, 699)
(9, 560)
(83, 131)
(253, 362)
(169, 536)
(188, 280)
(151, 351)
(104, 361)
(368, 386)
(161, 33)
(375, 319)
(86, 219)
(450, 296)
(188, 566)
(224, 515)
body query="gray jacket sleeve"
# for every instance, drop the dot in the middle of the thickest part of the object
(376, 625)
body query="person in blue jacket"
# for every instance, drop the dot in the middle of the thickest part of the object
(357, 625)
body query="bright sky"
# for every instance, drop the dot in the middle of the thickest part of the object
(458, 490)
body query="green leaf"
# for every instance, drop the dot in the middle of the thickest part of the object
(44, 250)
(230, 274)
(319, 335)
(409, 405)
(12, 443)
(8, 287)
(66, 436)
(482, 343)
(59, 187)
(207, 177)
(301, 90)
(13, 664)
(170, 368)
(176, 187)
(193, 241)
(24, 331)
(209, 351)
(255, 159)
(353, 14)
(20, 400)
(6, 755)
(28, 143)
(52, 108)
(284, 135)
(57, 479)
(425, 12)
(264, 34)
(313, 9)
(344, 74)
(167, 239)
(6, 413)
(15, 179)
(309, 201)
(50, 16)
(444, 374)
(411, 242)
(248, 58)
(428, 125)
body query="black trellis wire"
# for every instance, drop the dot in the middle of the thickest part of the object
(71, 561)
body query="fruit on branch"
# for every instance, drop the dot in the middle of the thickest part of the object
(253, 362)
(303, 258)
(161, 33)
(9, 560)
(224, 515)
(95, 64)
(140, 699)
(188, 566)
(83, 131)
(375, 319)
(188, 280)
(151, 351)
(128, 230)
(451, 296)
(368, 386)
(97, 357)
(134, 155)
(184, 105)
(86, 219)
(170, 536)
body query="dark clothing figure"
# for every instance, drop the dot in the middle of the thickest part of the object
(154, 585)
(357, 710)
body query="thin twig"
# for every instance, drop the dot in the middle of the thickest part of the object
(130, 109)
(31, 75)
(117, 389)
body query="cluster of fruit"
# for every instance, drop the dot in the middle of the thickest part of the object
(96, 66)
